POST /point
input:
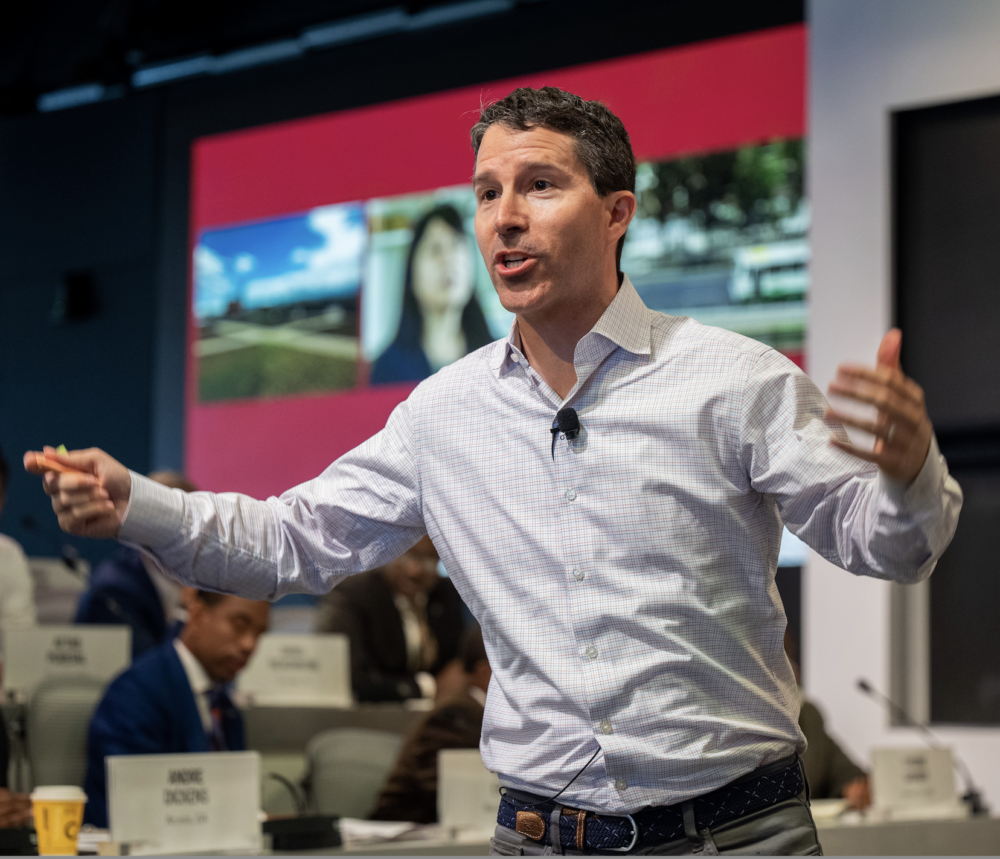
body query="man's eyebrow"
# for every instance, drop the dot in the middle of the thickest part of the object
(529, 167)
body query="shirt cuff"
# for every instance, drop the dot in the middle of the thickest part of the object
(924, 492)
(154, 517)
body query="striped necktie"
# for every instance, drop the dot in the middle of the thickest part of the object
(219, 705)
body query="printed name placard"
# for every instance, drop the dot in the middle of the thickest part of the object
(299, 670)
(914, 783)
(468, 793)
(39, 652)
(184, 803)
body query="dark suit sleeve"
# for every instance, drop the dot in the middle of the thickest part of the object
(362, 609)
(126, 722)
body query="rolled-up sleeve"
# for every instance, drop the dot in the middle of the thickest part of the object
(361, 512)
(841, 506)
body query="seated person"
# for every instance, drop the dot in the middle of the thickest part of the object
(830, 772)
(15, 808)
(123, 590)
(17, 588)
(410, 793)
(404, 622)
(173, 698)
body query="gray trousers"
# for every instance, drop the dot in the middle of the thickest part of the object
(784, 829)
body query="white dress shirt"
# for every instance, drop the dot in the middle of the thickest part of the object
(17, 587)
(625, 586)
(201, 683)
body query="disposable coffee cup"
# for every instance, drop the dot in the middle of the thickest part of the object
(58, 816)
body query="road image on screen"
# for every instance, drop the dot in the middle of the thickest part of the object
(276, 304)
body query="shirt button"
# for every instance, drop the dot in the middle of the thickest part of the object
(606, 726)
(620, 784)
(592, 652)
(570, 495)
(578, 575)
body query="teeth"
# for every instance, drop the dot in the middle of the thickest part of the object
(513, 262)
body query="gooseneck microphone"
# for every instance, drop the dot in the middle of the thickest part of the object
(567, 422)
(971, 797)
(68, 553)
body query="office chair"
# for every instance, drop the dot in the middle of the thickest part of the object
(58, 716)
(346, 769)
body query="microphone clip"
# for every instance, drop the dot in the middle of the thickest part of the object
(566, 422)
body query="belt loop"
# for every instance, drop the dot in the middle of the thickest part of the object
(690, 830)
(702, 843)
(555, 831)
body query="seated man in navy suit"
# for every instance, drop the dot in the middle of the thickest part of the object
(123, 591)
(173, 698)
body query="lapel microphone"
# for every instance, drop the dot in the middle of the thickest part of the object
(567, 422)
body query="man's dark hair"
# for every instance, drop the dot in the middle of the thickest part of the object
(210, 598)
(600, 138)
(4, 473)
(471, 649)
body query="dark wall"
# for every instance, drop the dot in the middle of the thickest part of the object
(947, 266)
(77, 195)
(104, 188)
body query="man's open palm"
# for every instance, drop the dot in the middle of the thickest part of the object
(901, 427)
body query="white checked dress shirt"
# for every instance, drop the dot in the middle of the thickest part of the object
(626, 586)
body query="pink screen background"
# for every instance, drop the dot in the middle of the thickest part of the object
(712, 95)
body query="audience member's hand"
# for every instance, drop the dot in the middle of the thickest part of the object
(858, 794)
(451, 680)
(91, 504)
(15, 809)
(901, 427)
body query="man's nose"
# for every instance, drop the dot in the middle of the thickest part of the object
(511, 215)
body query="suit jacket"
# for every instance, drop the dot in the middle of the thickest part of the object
(362, 608)
(148, 710)
(122, 593)
(828, 768)
(410, 793)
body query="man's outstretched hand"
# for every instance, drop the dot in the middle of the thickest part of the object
(901, 427)
(90, 500)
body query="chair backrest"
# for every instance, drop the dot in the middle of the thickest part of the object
(58, 717)
(347, 768)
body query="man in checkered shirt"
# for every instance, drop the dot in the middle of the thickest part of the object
(623, 575)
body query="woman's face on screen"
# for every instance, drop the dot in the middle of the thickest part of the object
(442, 268)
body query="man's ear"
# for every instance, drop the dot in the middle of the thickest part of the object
(621, 209)
(190, 601)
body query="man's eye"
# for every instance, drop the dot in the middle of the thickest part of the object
(489, 196)
(541, 185)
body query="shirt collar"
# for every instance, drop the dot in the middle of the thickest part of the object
(625, 323)
(195, 671)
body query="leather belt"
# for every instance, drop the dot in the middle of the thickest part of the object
(653, 825)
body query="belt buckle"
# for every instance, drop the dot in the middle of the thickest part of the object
(635, 833)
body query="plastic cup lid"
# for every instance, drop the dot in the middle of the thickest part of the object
(59, 793)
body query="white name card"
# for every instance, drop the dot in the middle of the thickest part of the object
(468, 793)
(39, 652)
(914, 783)
(299, 670)
(184, 803)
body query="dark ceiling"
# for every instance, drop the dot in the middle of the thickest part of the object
(53, 44)
(50, 45)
